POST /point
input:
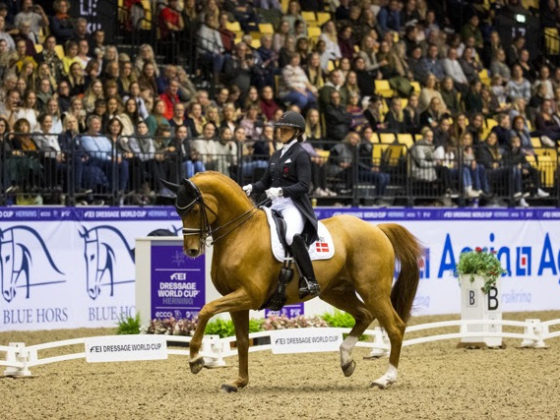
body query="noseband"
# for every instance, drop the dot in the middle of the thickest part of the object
(205, 230)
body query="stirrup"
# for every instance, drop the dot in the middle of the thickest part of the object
(309, 289)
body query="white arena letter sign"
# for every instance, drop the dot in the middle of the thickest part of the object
(124, 348)
(305, 340)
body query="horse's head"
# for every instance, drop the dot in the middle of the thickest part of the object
(7, 272)
(197, 213)
(91, 255)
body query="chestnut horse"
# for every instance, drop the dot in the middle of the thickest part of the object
(245, 272)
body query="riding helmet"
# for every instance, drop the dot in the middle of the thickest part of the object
(291, 119)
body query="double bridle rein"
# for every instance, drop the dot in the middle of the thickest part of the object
(205, 230)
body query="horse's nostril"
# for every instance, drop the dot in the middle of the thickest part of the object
(192, 252)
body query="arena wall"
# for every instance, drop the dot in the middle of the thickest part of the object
(74, 267)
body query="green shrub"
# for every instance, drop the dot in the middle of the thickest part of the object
(129, 325)
(339, 319)
(225, 328)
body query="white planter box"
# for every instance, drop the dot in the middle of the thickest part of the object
(476, 305)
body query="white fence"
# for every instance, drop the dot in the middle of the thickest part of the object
(19, 357)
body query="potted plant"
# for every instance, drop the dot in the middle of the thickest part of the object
(480, 262)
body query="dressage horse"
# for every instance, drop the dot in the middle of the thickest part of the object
(244, 271)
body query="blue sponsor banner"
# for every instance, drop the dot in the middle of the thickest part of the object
(177, 283)
(382, 214)
(290, 311)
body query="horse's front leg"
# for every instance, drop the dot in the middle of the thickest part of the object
(241, 323)
(235, 301)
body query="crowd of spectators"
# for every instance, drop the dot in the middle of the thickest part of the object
(70, 101)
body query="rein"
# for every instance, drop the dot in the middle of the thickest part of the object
(205, 230)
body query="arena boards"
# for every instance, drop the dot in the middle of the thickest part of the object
(74, 267)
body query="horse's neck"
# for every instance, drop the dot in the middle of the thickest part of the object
(229, 206)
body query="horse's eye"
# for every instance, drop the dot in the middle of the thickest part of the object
(91, 257)
(7, 258)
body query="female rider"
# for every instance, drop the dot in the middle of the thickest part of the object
(286, 183)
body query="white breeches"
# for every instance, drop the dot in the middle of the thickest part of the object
(292, 216)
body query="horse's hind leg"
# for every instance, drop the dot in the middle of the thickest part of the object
(383, 310)
(344, 298)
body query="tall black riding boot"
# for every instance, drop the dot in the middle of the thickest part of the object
(307, 283)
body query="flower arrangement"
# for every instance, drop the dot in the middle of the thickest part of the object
(481, 262)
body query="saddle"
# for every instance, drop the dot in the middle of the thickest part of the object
(321, 249)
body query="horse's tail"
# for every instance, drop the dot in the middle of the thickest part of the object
(408, 250)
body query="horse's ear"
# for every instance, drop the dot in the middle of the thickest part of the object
(173, 187)
(190, 188)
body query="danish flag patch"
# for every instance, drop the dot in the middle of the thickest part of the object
(321, 246)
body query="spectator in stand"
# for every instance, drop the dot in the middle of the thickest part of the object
(5, 35)
(335, 83)
(228, 37)
(394, 119)
(470, 66)
(35, 15)
(428, 92)
(336, 118)
(209, 45)
(80, 29)
(478, 179)
(544, 79)
(226, 151)
(92, 94)
(518, 86)
(454, 70)
(195, 120)
(373, 113)
(76, 109)
(471, 29)
(442, 133)
(61, 24)
(450, 95)
(517, 158)
(206, 147)
(475, 128)
(294, 15)
(54, 112)
(473, 98)
(431, 116)
(70, 56)
(546, 125)
(514, 49)
(145, 55)
(147, 79)
(389, 17)
(267, 104)
(431, 64)
(329, 36)
(423, 164)
(313, 129)
(299, 91)
(286, 51)
(238, 69)
(499, 66)
(171, 98)
(178, 117)
(157, 117)
(412, 115)
(519, 129)
(281, 35)
(170, 25)
(346, 42)
(76, 79)
(252, 123)
(356, 112)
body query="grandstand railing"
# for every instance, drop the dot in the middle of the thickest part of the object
(129, 172)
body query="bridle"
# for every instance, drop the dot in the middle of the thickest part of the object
(205, 230)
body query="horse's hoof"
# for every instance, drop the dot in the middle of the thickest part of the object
(228, 388)
(348, 368)
(197, 364)
(381, 384)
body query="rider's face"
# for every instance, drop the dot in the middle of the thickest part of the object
(286, 134)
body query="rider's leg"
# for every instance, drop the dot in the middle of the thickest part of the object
(298, 248)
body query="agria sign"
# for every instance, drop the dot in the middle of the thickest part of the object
(518, 261)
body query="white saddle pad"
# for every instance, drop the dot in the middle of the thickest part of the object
(323, 249)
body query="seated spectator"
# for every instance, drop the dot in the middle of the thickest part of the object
(92, 94)
(336, 118)
(368, 54)
(157, 117)
(281, 35)
(470, 66)
(147, 78)
(431, 64)
(209, 45)
(287, 51)
(195, 121)
(432, 114)
(226, 151)
(389, 17)
(354, 108)
(252, 123)
(442, 133)
(475, 128)
(489, 155)
(28, 109)
(394, 119)
(334, 83)
(517, 158)
(61, 24)
(473, 99)
(191, 159)
(363, 77)
(140, 102)
(76, 79)
(170, 25)
(293, 15)
(454, 70)
(346, 42)
(412, 115)
(450, 95)
(238, 69)
(267, 104)
(24, 168)
(145, 55)
(53, 111)
(428, 92)
(102, 153)
(34, 15)
(519, 129)
(48, 146)
(547, 127)
(298, 89)
(477, 172)
(544, 80)
(178, 118)
(10, 44)
(205, 146)
(499, 66)
(330, 38)
(423, 164)
(503, 131)
(171, 98)
(373, 113)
